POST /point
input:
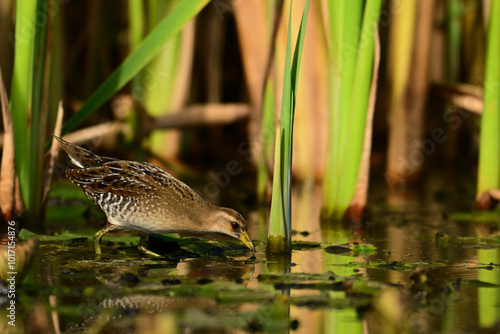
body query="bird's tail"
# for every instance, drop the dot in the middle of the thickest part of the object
(79, 156)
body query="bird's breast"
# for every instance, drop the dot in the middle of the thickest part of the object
(149, 214)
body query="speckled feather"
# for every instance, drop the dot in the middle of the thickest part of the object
(130, 179)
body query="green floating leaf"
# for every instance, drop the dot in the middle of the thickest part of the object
(25, 234)
(305, 245)
(169, 245)
(476, 216)
(296, 278)
(481, 284)
(393, 265)
(354, 248)
(320, 301)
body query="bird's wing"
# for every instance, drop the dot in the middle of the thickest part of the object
(165, 182)
(129, 178)
(112, 177)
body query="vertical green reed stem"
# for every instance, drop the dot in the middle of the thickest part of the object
(34, 86)
(40, 105)
(280, 225)
(487, 302)
(353, 140)
(268, 134)
(351, 59)
(276, 238)
(489, 151)
(344, 23)
(21, 98)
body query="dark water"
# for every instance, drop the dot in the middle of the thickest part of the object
(431, 272)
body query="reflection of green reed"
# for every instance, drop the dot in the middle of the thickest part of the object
(34, 96)
(489, 313)
(280, 224)
(489, 152)
(351, 28)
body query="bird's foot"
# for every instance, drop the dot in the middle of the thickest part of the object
(97, 247)
(97, 241)
(98, 236)
(142, 246)
(146, 251)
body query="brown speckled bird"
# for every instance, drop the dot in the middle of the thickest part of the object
(141, 197)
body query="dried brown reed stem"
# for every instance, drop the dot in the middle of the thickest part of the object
(251, 27)
(8, 171)
(188, 117)
(52, 154)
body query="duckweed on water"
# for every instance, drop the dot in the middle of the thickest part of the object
(219, 287)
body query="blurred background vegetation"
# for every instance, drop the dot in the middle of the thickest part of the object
(390, 94)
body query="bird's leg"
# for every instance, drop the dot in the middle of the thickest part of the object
(142, 246)
(98, 236)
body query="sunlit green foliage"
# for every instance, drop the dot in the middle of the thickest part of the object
(489, 152)
(280, 226)
(351, 30)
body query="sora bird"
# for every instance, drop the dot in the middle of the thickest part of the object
(141, 197)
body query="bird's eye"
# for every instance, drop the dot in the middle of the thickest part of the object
(235, 225)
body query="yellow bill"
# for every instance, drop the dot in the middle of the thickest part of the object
(246, 240)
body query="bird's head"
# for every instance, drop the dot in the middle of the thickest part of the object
(230, 223)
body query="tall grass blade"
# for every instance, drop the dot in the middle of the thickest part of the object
(41, 114)
(351, 33)
(353, 146)
(268, 136)
(489, 151)
(487, 301)
(34, 87)
(284, 140)
(276, 237)
(344, 23)
(139, 58)
(357, 207)
(21, 94)
(289, 113)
